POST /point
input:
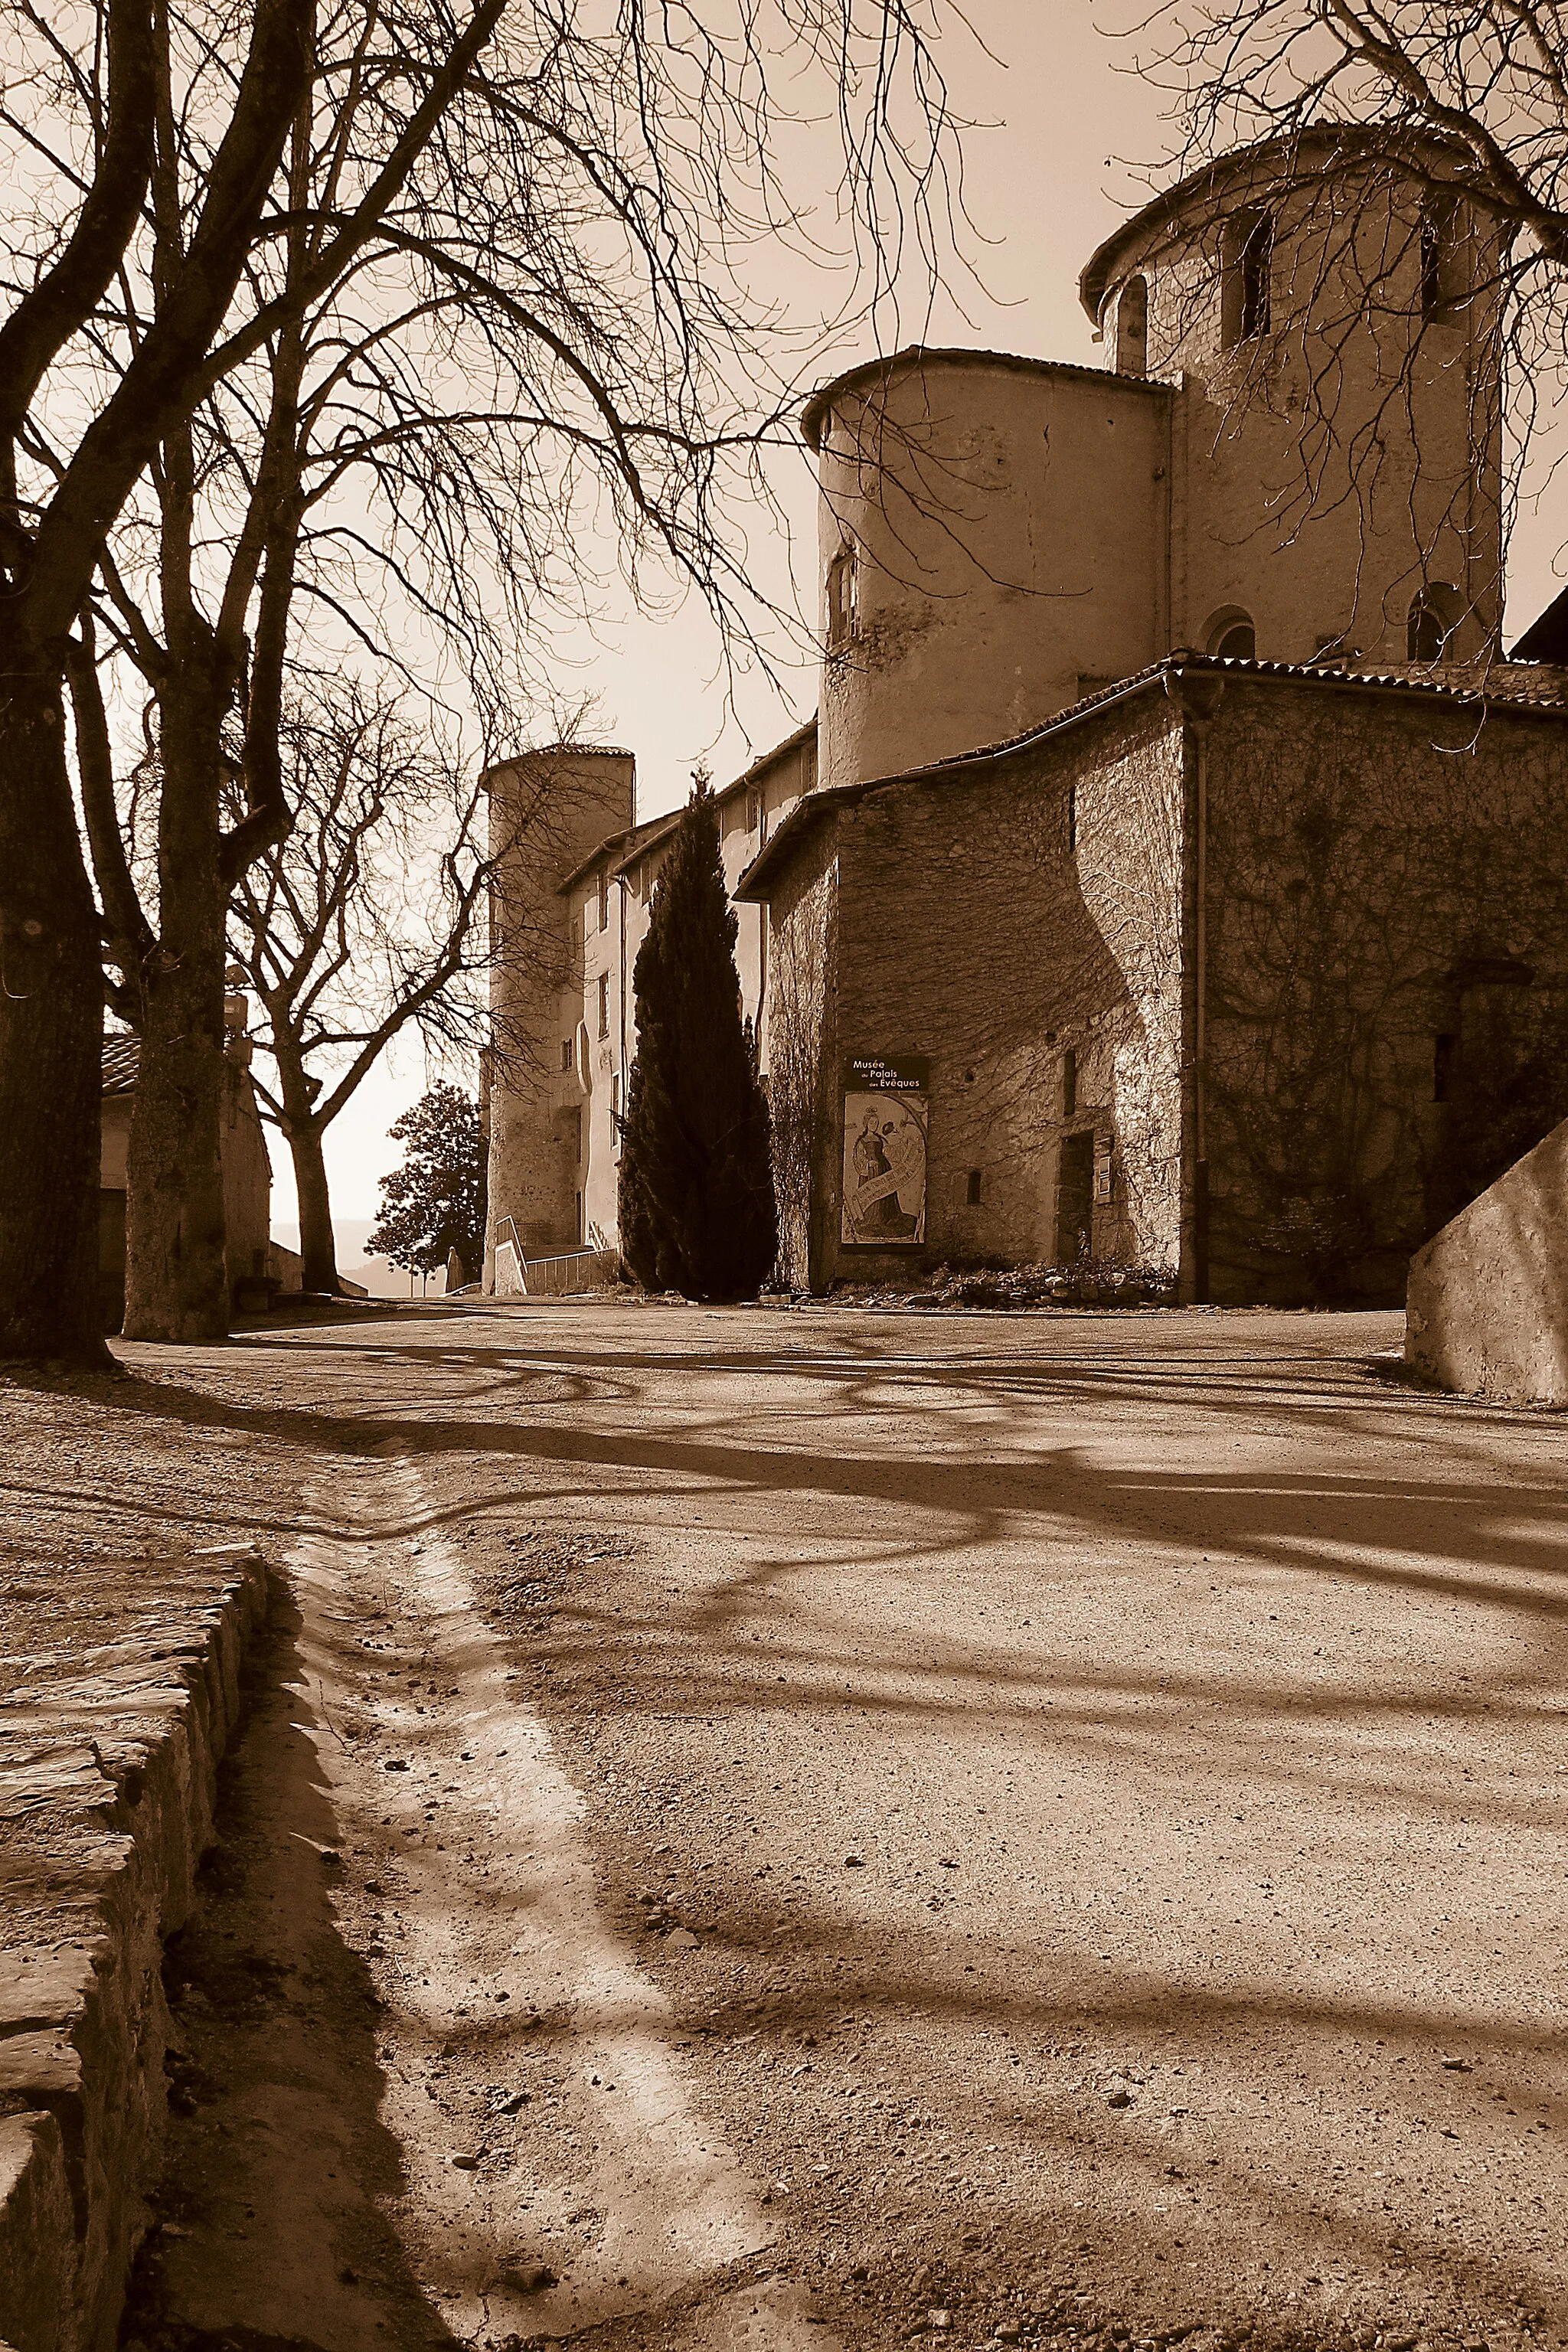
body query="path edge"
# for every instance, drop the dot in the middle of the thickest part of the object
(84, 2032)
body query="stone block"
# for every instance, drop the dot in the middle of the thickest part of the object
(1487, 1310)
(36, 2237)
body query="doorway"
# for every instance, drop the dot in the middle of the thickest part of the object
(1075, 1197)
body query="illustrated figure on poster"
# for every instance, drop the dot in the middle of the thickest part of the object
(884, 1170)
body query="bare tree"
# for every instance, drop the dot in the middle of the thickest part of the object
(369, 919)
(1444, 131)
(550, 206)
(93, 380)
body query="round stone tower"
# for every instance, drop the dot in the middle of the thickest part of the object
(989, 533)
(549, 810)
(1325, 307)
(1293, 453)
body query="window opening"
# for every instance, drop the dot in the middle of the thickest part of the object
(1069, 1082)
(1443, 1049)
(842, 595)
(604, 1004)
(971, 1195)
(1439, 254)
(1232, 637)
(1432, 622)
(1132, 328)
(566, 1052)
(605, 900)
(1244, 292)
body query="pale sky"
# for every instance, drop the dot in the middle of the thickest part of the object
(1052, 178)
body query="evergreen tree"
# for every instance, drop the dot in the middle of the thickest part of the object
(435, 1202)
(696, 1194)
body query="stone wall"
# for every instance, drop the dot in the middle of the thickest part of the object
(1486, 1312)
(107, 1786)
(968, 931)
(1387, 975)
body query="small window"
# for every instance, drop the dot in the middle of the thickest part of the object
(566, 1052)
(605, 900)
(604, 1004)
(1230, 636)
(1245, 279)
(1433, 618)
(1132, 328)
(1069, 1083)
(972, 1193)
(1443, 1067)
(1440, 254)
(842, 595)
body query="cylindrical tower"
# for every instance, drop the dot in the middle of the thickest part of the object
(548, 811)
(1325, 305)
(991, 535)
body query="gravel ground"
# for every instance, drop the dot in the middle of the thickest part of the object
(793, 1826)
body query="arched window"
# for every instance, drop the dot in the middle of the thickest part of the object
(1132, 328)
(1433, 618)
(842, 595)
(1231, 635)
(1244, 288)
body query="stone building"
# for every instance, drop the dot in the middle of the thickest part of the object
(1170, 876)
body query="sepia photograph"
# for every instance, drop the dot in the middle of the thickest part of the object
(784, 1176)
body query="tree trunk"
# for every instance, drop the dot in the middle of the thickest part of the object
(176, 1286)
(318, 1243)
(51, 1030)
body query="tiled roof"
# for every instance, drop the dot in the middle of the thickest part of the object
(122, 1062)
(1475, 686)
(1537, 684)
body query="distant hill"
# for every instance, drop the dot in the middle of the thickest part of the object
(378, 1275)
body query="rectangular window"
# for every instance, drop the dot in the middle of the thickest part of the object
(1069, 1083)
(604, 901)
(972, 1196)
(566, 1052)
(1439, 253)
(604, 1004)
(1443, 1067)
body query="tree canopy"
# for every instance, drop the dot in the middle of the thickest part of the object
(434, 1202)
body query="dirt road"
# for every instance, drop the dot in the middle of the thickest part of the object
(792, 1828)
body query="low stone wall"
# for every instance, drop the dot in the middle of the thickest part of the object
(1487, 1309)
(108, 1778)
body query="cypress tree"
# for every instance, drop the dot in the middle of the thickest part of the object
(696, 1192)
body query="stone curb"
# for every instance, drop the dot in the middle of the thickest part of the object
(107, 1787)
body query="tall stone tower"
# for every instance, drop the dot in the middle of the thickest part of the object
(548, 811)
(1294, 453)
(1326, 311)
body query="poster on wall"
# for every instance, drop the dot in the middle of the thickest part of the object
(885, 1115)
